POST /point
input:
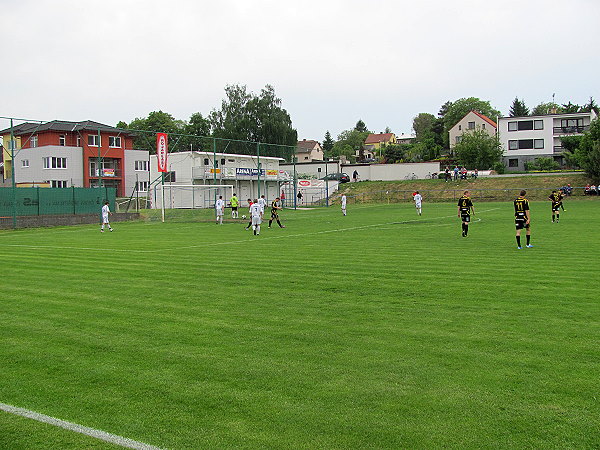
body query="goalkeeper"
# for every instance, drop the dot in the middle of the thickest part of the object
(275, 207)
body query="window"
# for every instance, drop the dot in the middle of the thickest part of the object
(170, 177)
(471, 125)
(538, 143)
(513, 162)
(54, 162)
(78, 141)
(459, 127)
(141, 165)
(223, 161)
(512, 126)
(206, 162)
(62, 140)
(24, 163)
(458, 139)
(483, 126)
(58, 183)
(538, 124)
(33, 142)
(318, 169)
(525, 125)
(525, 144)
(142, 186)
(93, 140)
(513, 145)
(114, 141)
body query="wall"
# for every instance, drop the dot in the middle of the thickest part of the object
(391, 172)
(63, 220)
(130, 174)
(73, 174)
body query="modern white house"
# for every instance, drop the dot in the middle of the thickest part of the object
(194, 178)
(473, 120)
(527, 138)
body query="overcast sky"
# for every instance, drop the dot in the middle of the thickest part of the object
(331, 62)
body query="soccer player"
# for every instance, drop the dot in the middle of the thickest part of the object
(262, 202)
(256, 213)
(105, 213)
(250, 203)
(275, 207)
(465, 209)
(234, 207)
(220, 209)
(522, 218)
(556, 199)
(418, 199)
(344, 204)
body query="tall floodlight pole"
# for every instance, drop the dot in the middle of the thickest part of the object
(12, 173)
(258, 165)
(326, 180)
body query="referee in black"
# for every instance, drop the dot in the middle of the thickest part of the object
(465, 209)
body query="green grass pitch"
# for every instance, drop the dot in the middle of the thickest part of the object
(381, 329)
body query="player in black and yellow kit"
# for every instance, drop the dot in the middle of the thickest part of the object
(556, 199)
(275, 207)
(465, 208)
(522, 218)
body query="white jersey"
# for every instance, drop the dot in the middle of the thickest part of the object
(105, 211)
(343, 202)
(219, 206)
(262, 202)
(256, 210)
(418, 199)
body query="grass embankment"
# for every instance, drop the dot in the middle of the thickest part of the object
(488, 188)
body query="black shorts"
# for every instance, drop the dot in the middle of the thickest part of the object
(234, 208)
(556, 207)
(465, 217)
(521, 222)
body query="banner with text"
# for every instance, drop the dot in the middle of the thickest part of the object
(161, 151)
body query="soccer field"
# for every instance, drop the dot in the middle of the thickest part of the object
(381, 329)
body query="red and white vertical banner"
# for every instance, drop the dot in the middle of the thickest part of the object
(162, 149)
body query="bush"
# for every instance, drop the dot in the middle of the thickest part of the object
(499, 168)
(542, 164)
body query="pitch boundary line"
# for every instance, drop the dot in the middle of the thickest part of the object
(92, 432)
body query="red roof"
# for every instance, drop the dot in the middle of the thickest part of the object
(307, 144)
(380, 137)
(486, 118)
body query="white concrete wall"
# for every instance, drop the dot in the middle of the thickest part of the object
(391, 172)
(130, 174)
(315, 168)
(73, 174)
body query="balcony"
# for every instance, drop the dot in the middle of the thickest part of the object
(106, 173)
(571, 130)
(558, 149)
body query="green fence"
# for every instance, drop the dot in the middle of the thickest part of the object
(54, 201)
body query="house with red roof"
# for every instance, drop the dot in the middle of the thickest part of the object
(308, 150)
(473, 120)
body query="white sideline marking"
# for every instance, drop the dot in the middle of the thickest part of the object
(98, 434)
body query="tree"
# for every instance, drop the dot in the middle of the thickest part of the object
(156, 122)
(590, 106)
(328, 142)
(444, 108)
(423, 124)
(349, 142)
(396, 153)
(518, 108)
(361, 127)
(244, 116)
(543, 109)
(587, 154)
(571, 108)
(477, 149)
(388, 130)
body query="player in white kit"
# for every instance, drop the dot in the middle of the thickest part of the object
(418, 199)
(105, 213)
(344, 204)
(220, 209)
(256, 212)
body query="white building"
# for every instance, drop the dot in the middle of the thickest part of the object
(242, 172)
(527, 138)
(470, 122)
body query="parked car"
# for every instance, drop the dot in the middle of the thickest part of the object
(342, 177)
